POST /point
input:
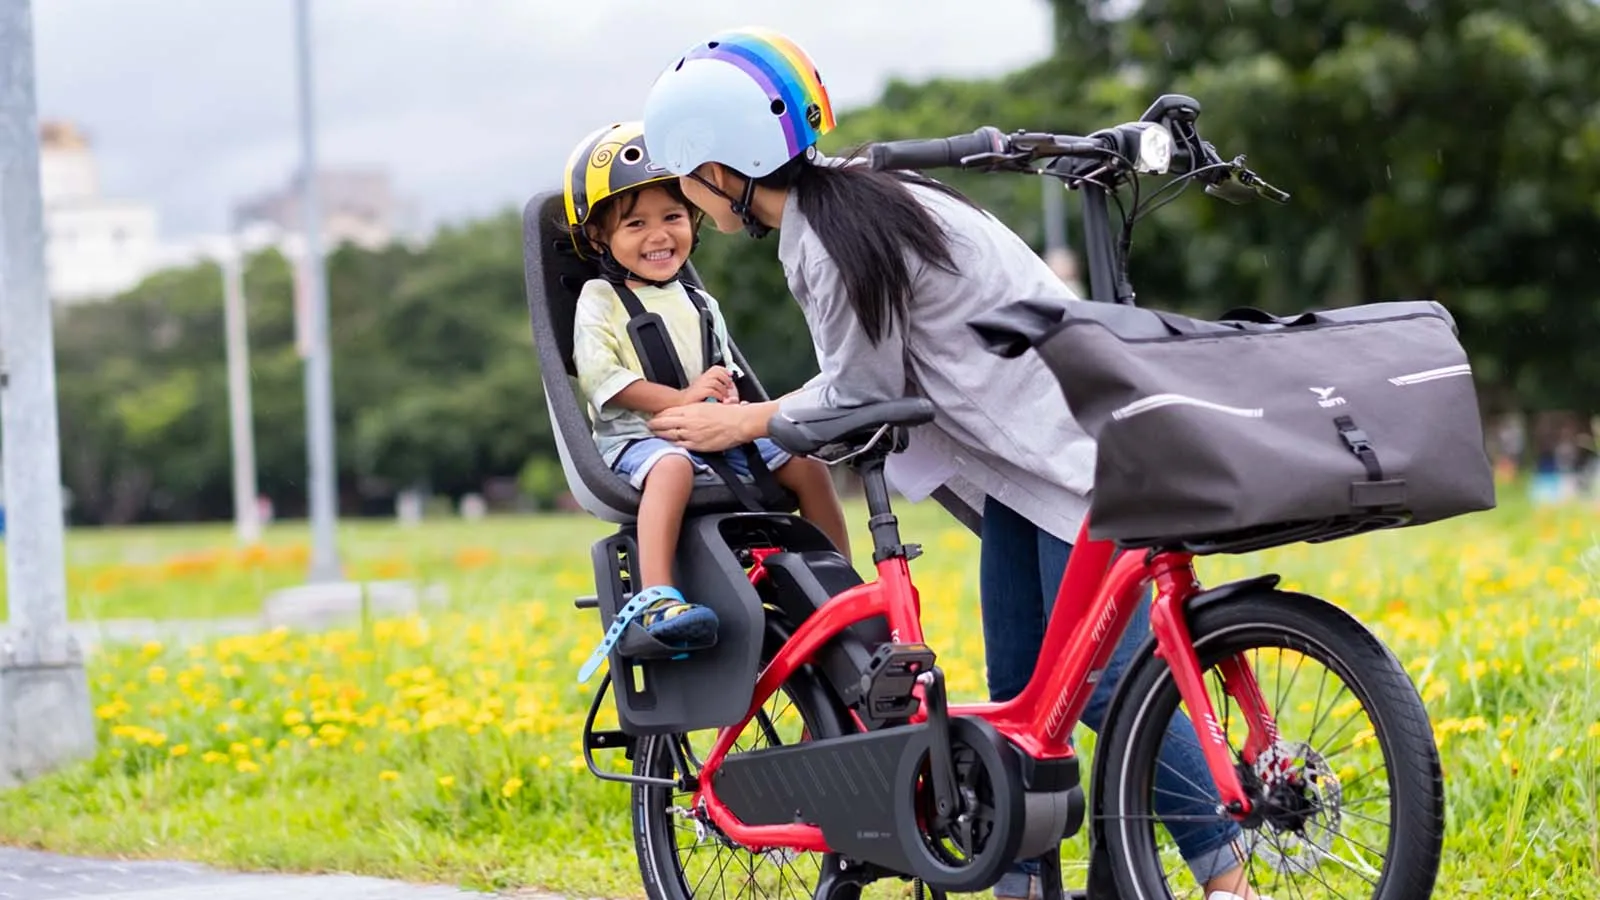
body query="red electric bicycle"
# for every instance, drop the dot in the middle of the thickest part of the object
(814, 751)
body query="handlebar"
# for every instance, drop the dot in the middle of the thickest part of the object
(1163, 141)
(933, 153)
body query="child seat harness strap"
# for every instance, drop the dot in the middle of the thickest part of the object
(661, 364)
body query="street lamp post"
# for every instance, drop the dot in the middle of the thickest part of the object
(246, 520)
(45, 719)
(323, 475)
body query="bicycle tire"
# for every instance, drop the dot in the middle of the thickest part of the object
(1322, 631)
(660, 866)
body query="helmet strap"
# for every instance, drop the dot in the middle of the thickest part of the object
(742, 207)
(752, 226)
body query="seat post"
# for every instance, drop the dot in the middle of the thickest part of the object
(882, 523)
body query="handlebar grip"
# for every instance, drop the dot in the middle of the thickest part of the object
(933, 153)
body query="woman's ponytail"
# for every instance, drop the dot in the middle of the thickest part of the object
(870, 223)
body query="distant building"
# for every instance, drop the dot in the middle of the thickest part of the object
(95, 247)
(358, 205)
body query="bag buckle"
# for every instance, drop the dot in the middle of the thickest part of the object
(1357, 439)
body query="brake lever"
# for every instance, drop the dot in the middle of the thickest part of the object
(1261, 187)
(1240, 185)
(1229, 189)
(994, 162)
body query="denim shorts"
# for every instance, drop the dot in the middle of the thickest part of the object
(641, 455)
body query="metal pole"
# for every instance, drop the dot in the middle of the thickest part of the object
(247, 525)
(45, 719)
(319, 364)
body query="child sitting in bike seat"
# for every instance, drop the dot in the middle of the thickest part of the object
(631, 217)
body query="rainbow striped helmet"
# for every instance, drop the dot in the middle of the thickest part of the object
(748, 98)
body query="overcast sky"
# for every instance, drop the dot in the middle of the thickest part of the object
(471, 105)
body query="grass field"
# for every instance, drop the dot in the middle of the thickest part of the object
(444, 747)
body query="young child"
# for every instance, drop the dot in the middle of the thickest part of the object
(631, 217)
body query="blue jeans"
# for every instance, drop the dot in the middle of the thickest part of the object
(1021, 570)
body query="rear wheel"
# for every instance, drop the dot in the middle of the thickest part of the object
(682, 855)
(1348, 802)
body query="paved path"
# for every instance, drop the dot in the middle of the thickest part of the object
(316, 607)
(32, 875)
(92, 634)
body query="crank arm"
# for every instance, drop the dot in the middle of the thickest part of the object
(941, 764)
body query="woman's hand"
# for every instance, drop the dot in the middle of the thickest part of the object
(711, 427)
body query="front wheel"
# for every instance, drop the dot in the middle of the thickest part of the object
(1348, 799)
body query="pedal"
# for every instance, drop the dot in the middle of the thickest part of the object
(890, 676)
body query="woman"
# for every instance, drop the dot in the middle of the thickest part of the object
(888, 267)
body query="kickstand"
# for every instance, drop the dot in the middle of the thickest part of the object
(1050, 886)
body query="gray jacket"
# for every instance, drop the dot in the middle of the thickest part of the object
(1003, 428)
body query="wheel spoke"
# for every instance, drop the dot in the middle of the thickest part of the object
(1307, 834)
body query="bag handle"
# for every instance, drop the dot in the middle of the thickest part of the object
(1176, 325)
(1251, 314)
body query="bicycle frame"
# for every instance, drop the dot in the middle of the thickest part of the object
(1100, 586)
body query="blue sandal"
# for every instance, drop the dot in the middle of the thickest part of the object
(674, 625)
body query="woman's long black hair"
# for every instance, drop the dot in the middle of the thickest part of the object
(867, 219)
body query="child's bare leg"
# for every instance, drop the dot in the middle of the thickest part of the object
(671, 619)
(819, 503)
(666, 493)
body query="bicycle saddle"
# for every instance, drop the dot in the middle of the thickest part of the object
(806, 431)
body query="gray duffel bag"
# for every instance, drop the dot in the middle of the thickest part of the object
(1252, 430)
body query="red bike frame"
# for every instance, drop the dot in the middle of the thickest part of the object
(1100, 587)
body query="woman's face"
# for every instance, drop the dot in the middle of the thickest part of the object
(716, 208)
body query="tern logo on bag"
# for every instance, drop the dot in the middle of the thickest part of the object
(1325, 398)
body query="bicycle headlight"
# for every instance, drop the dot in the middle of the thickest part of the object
(1155, 149)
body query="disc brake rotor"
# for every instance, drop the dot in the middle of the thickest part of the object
(1303, 799)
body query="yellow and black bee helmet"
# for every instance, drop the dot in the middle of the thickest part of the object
(609, 161)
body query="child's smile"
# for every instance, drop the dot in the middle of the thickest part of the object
(652, 240)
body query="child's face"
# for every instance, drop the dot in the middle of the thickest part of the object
(652, 239)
